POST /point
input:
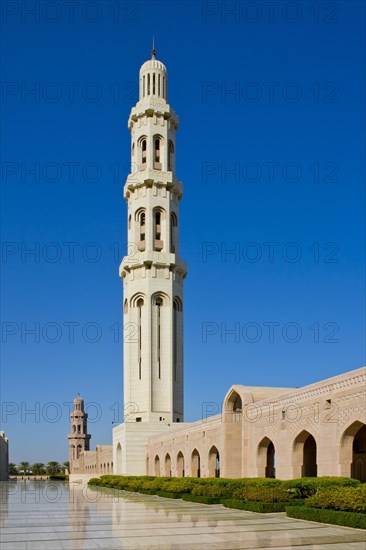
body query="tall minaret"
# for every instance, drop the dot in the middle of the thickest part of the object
(79, 439)
(152, 272)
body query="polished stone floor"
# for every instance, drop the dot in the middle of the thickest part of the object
(55, 516)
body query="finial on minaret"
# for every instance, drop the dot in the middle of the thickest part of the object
(153, 51)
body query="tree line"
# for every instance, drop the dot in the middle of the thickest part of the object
(37, 469)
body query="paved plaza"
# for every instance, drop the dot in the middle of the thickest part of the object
(37, 515)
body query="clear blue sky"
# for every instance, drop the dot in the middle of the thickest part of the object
(279, 97)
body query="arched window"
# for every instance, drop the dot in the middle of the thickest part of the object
(170, 155)
(153, 86)
(79, 429)
(140, 303)
(125, 306)
(140, 217)
(78, 451)
(143, 145)
(157, 160)
(74, 428)
(129, 221)
(173, 232)
(159, 217)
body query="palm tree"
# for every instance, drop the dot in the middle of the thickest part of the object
(13, 470)
(53, 468)
(24, 467)
(38, 469)
(66, 465)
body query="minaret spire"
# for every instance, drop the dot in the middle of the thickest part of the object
(153, 51)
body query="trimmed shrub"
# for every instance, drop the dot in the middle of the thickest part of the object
(211, 491)
(334, 517)
(308, 486)
(259, 507)
(263, 494)
(347, 499)
(202, 499)
(95, 481)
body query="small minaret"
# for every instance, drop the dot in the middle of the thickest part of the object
(153, 272)
(79, 438)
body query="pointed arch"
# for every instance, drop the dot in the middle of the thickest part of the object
(171, 155)
(304, 454)
(213, 462)
(233, 407)
(180, 465)
(266, 458)
(167, 465)
(157, 465)
(195, 463)
(138, 300)
(142, 152)
(159, 229)
(352, 451)
(158, 142)
(119, 459)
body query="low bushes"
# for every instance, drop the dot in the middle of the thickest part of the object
(210, 490)
(260, 495)
(308, 486)
(259, 507)
(346, 499)
(335, 517)
(202, 499)
(263, 494)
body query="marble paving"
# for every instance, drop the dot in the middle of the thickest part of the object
(37, 515)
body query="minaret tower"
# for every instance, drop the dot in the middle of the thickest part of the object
(79, 439)
(152, 272)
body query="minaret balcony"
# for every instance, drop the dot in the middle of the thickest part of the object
(149, 177)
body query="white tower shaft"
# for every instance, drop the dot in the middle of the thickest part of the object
(153, 272)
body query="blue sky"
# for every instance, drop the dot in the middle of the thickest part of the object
(270, 150)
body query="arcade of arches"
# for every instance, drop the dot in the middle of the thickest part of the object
(273, 432)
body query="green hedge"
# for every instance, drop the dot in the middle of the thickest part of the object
(307, 486)
(334, 517)
(211, 491)
(259, 507)
(202, 499)
(345, 499)
(337, 493)
(263, 494)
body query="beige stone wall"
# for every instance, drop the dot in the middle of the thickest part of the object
(284, 432)
(4, 457)
(96, 462)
